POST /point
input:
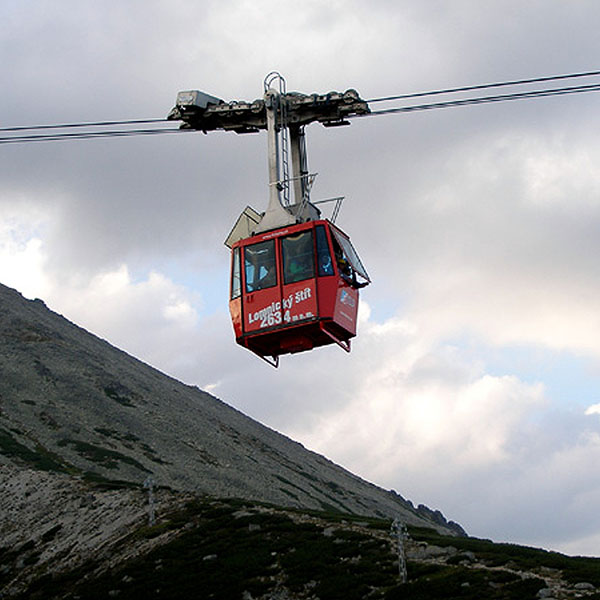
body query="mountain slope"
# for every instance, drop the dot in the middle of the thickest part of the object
(89, 541)
(71, 402)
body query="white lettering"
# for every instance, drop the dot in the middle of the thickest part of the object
(271, 319)
(302, 295)
(267, 313)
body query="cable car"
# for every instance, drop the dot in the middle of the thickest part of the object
(294, 275)
(294, 289)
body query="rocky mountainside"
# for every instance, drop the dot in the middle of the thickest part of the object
(67, 539)
(237, 511)
(71, 403)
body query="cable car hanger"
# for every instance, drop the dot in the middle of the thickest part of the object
(294, 275)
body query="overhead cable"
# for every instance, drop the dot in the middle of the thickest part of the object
(86, 135)
(92, 124)
(83, 135)
(484, 100)
(484, 86)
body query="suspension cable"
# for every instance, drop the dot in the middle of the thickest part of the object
(82, 135)
(87, 135)
(72, 125)
(484, 86)
(484, 100)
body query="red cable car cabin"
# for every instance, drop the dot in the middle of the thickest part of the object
(294, 289)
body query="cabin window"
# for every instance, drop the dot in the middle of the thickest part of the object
(259, 266)
(298, 262)
(347, 258)
(236, 275)
(323, 254)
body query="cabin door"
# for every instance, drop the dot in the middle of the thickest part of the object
(299, 286)
(262, 307)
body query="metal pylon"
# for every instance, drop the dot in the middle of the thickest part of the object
(399, 531)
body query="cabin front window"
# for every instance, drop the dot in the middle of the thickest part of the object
(298, 262)
(260, 266)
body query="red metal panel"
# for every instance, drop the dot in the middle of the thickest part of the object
(262, 309)
(235, 310)
(327, 290)
(299, 301)
(346, 307)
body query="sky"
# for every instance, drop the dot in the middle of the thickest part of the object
(474, 383)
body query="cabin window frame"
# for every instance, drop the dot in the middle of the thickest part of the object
(265, 265)
(349, 254)
(236, 274)
(324, 255)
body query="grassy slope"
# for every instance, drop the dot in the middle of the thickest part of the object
(231, 549)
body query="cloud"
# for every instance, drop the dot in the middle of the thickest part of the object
(22, 266)
(419, 405)
(478, 226)
(586, 545)
(425, 418)
(593, 410)
(508, 256)
(559, 480)
(22, 260)
(151, 317)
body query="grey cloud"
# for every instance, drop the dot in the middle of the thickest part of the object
(439, 204)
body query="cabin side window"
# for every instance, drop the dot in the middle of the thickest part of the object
(259, 266)
(298, 262)
(349, 264)
(323, 254)
(236, 275)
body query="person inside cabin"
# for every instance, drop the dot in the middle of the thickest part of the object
(323, 254)
(344, 267)
(299, 268)
(347, 273)
(268, 277)
(325, 265)
(342, 262)
(297, 253)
